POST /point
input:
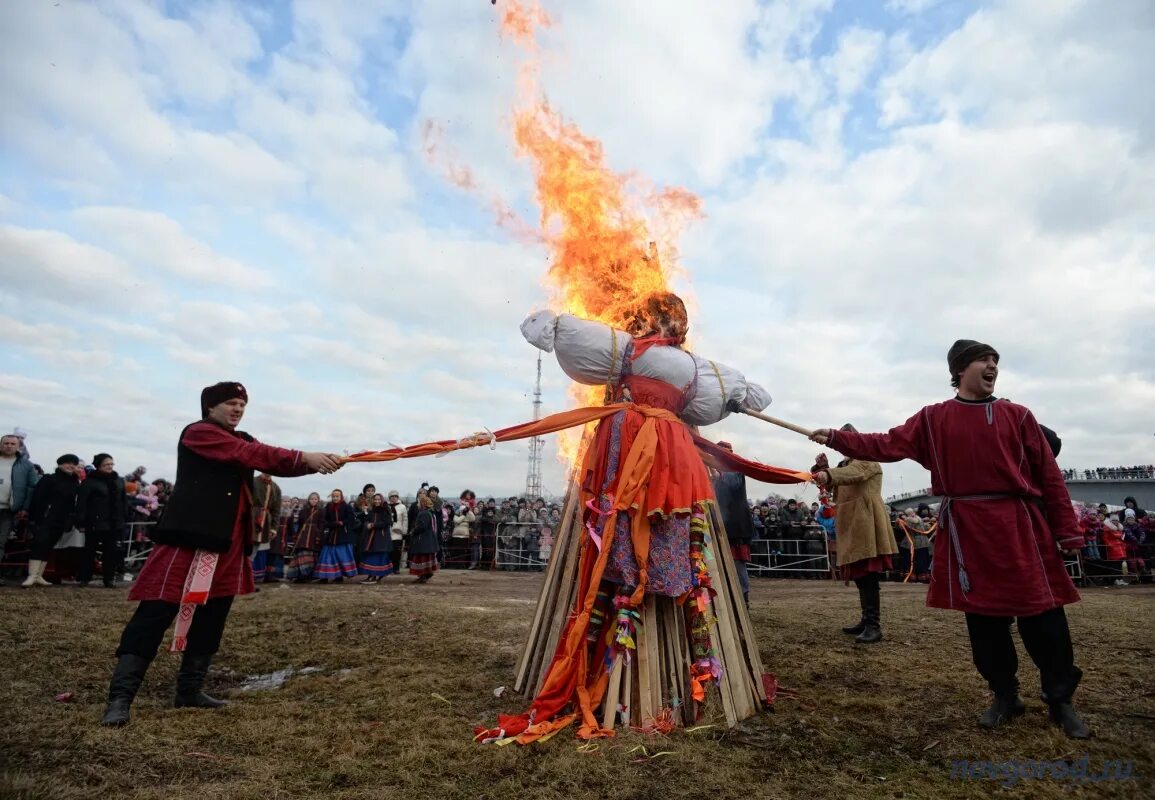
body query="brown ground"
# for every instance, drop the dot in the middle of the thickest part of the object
(407, 671)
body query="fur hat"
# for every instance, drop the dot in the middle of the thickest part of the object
(221, 393)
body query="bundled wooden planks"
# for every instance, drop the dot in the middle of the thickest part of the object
(656, 678)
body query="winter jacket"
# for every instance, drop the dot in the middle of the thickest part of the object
(400, 521)
(23, 479)
(461, 523)
(341, 524)
(424, 540)
(54, 502)
(101, 503)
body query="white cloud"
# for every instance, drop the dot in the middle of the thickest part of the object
(53, 264)
(155, 241)
(271, 175)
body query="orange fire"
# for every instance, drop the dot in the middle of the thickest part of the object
(613, 237)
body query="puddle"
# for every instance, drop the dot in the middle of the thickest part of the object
(274, 680)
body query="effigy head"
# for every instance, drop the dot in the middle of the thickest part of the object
(662, 314)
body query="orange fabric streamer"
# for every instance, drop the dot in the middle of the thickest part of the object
(651, 480)
(910, 541)
(712, 454)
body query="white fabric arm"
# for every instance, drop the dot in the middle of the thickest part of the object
(539, 329)
(717, 386)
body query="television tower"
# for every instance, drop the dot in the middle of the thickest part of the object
(536, 444)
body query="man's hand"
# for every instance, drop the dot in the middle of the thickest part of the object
(1071, 553)
(822, 477)
(821, 436)
(325, 463)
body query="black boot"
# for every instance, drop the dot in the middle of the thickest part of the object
(871, 613)
(1063, 715)
(126, 679)
(189, 682)
(857, 628)
(1003, 709)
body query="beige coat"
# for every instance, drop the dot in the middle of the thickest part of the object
(862, 522)
(266, 510)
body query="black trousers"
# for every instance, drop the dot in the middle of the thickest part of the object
(108, 542)
(144, 632)
(1048, 642)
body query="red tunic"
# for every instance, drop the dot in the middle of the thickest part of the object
(164, 573)
(1006, 509)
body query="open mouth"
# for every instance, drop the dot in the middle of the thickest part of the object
(989, 377)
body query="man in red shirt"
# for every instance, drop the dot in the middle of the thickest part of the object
(199, 562)
(1005, 515)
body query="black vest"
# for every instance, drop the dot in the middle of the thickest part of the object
(202, 511)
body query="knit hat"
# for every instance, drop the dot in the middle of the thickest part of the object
(965, 351)
(68, 458)
(1128, 512)
(99, 458)
(221, 393)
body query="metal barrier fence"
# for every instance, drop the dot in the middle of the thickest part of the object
(806, 557)
(519, 547)
(137, 545)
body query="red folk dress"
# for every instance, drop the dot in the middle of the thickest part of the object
(166, 569)
(1005, 512)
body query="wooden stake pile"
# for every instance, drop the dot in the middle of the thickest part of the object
(658, 676)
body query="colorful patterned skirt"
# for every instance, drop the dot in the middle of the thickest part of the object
(302, 565)
(260, 564)
(422, 564)
(376, 565)
(336, 561)
(268, 566)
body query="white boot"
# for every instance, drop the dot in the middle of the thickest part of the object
(36, 574)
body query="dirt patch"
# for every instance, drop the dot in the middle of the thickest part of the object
(388, 680)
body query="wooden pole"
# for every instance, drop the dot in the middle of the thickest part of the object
(547, 597)
(781, 423)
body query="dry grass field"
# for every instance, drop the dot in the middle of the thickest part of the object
(403, 672)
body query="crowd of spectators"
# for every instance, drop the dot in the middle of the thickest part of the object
(1111, 473)
(512, 533)
(1118, 544)
(791, 538)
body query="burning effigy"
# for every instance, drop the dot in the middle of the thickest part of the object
(641, 618)
(640, 621)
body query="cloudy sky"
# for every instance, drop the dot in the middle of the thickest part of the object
(192, 192)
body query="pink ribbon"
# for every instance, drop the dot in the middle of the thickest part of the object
(593, 532)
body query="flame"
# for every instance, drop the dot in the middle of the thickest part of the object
(612, 236)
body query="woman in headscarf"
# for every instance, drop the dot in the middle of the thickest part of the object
(423, 543)
(376, 542)
(307, 544)
(338, 561)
